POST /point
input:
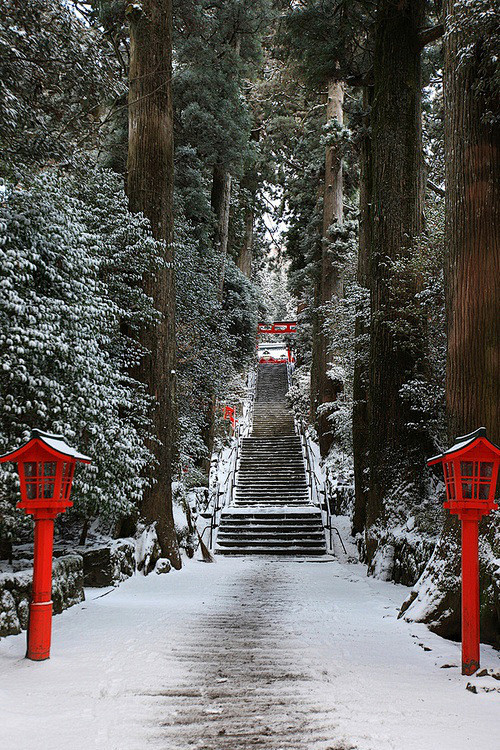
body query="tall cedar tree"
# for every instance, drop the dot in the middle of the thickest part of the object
(472, 284)
(472, 146)
(395, 216)
(360, 421)
(150, 191)
(325, 389)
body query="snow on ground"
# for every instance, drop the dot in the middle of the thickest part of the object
(245, 653)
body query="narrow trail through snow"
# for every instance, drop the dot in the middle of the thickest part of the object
(245, 653)
(253, 689)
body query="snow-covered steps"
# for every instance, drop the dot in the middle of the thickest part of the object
(271, 472)
(283, 530)
(271, 513)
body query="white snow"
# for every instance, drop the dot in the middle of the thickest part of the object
(245, 653)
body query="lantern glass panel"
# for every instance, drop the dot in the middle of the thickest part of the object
(486, 469)
(466, 468)
(29, 469)
(449, 478)
(484, 491)
(467, 490)
(31, 479)
(67, 476)
(49, 477)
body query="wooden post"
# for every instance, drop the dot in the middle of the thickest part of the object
(470, 596)
(40, 622)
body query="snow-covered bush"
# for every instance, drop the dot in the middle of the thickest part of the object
(204, 365)
(55, 73)
(71, 256)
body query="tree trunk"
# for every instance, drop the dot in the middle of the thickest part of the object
(472, 158)
(221, 202)
(245, 254)
(150, 190)
(473, 249)
(396, 337)
(249, 184)
(326, 389)
(360, 424)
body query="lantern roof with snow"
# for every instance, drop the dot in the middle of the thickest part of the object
(464, 444)
(56, 445)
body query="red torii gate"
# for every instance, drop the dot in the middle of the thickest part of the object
(278, 327)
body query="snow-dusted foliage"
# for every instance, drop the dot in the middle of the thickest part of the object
(339, 325)
(477, 23)
(203, 342)
(55, 73)
(71, 258)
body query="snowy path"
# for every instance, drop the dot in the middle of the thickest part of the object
(243, 654)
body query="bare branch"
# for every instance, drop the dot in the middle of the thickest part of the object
(432, 34)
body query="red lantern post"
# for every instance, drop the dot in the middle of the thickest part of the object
(229, 413)
(45, 464)
(470, 474)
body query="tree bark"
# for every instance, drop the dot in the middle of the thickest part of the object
(360, 424)
(472, 286)
(326, 389)
(150, 191)
(221, 202)
(249, 184)
(246, 250)
(473, 248)
(396, 338)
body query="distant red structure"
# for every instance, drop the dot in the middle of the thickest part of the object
(229, 413)
(267, 358)
(46, 464)
(277, 328)
(470, 475)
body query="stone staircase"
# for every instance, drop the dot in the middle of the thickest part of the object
(270, 513)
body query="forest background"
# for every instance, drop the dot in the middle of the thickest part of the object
(173, 172)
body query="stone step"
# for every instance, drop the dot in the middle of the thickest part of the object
(287, 502)
(305, 513)
(262, 505)
(270, 514)
(280, 496)
(291, 550)
(267, 478)
(276, 459)
(261, 476)
(308, 537)
(298, 527)
(271, 489)
(272, 454)
(272, 483)
(264, 472)
(284, 441)
(272, 501)
(275, 543)
(243, 497)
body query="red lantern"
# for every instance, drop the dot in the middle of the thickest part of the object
(229, 413)
(470, 475)
(45, 465)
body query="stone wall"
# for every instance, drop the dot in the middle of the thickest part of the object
(15, 592)
(108, 565)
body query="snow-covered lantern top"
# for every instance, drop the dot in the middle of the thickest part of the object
(45, 464)
(470, 474)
